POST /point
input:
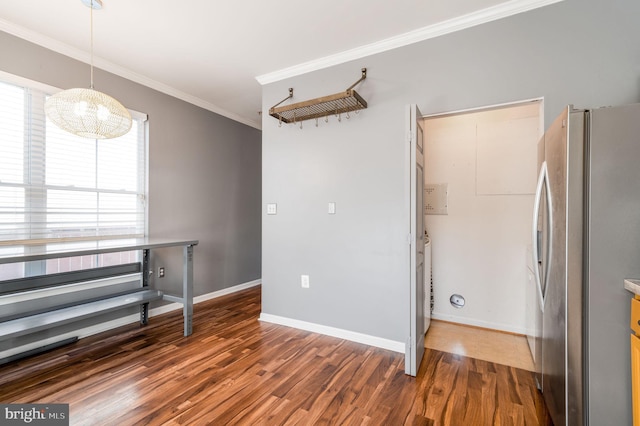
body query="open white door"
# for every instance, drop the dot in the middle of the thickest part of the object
(415, 344)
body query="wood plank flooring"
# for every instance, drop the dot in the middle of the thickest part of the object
(235, 370)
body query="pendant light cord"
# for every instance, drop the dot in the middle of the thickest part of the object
(91, 47)
(87, 112)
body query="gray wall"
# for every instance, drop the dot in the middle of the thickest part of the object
(583, 52)
(204, 170)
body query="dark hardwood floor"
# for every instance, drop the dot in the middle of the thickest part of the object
(237, 370)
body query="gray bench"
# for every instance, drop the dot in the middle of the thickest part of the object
(35, 313)
(32, 313)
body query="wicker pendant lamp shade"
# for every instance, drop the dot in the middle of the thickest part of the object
(87, 112)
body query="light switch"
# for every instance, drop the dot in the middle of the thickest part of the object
(332, 208)
(272, 208)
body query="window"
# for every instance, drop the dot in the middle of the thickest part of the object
(54, 185)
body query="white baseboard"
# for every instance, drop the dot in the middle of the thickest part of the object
(479, 323)
(225, 291)
(129, 319)
(204, 297)
(352, 336)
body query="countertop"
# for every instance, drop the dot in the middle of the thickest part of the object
(27, 253)
(632, 285)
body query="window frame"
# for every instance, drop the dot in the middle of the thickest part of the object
(35, 268)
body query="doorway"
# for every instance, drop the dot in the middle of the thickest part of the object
(486, 161)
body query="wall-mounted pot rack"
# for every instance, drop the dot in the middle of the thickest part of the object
(336, 104)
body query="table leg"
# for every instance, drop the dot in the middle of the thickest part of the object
(187, 289)
(144, 308)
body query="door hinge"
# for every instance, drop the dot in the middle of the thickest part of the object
(409, 136)
(409, 239)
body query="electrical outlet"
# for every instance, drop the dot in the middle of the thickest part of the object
(332, 208)
(272, 208)
(160, 272)
(304, 281)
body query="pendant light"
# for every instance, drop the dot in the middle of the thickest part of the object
(87, 112)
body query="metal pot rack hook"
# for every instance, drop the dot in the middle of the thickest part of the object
(288, 97)
(364, 75)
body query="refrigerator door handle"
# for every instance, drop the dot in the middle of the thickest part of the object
(536, 235)
(549, 235)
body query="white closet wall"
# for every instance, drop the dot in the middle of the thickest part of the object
(488, 159)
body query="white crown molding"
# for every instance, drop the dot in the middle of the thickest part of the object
(473, 19)
(82, 56)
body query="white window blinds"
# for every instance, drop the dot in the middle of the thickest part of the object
(54, 185)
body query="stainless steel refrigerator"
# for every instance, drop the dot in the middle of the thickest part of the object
(586, 241)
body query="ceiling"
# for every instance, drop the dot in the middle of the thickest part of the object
(214, 53)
